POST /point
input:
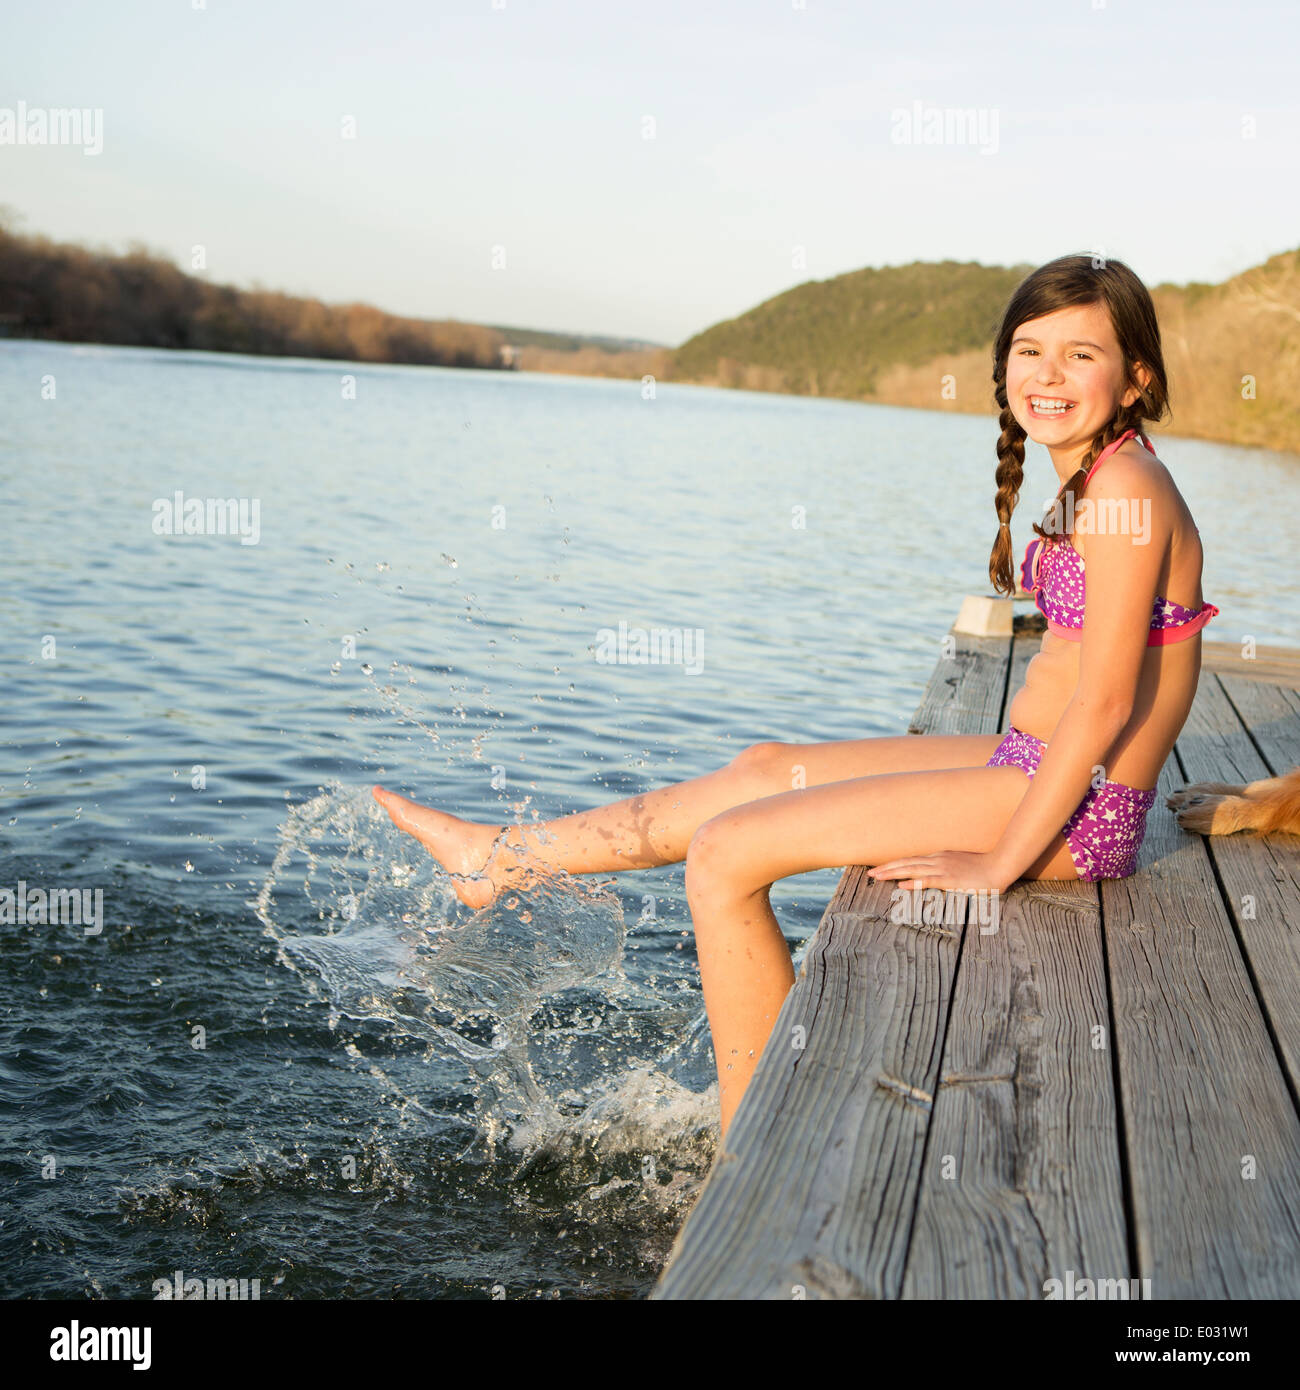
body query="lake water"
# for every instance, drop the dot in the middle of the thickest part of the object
(288, 1054)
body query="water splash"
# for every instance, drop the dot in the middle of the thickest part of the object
(564, 1058)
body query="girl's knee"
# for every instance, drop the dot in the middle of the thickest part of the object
(707, 857)
(764, 761)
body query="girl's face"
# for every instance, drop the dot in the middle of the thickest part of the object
(1065, 378)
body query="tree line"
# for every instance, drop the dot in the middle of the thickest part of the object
(142, 299)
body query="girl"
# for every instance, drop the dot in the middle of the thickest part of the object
(1077, 367)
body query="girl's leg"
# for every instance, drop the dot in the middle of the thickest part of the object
(733, 859)
(655, 827)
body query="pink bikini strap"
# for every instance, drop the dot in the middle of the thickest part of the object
(1110, 449)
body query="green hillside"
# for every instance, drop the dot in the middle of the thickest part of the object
(913, 335)
(836, 337)
(921, 335)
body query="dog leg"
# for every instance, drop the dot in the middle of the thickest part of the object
(1268, 805)
(1180, 798)
(1218, 815)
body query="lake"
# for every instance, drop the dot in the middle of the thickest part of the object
(283, 1051)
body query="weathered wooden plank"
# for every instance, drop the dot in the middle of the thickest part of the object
(1273, 665)
(1272, 715)
(816, 1186)
(1022, 1173)
(1260, 876)
(965, 691)
(1203, 1095)
(813, 1194)
(823, 1162)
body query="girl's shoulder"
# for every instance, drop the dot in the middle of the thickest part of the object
(1133, 489)
(1132, 471)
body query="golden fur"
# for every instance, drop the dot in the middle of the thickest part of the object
(1217, 808)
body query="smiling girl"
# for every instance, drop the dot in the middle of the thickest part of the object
(1078, 368)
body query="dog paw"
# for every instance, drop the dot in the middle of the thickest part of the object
(1196, 814)
(1182, 797)
(1217, 815)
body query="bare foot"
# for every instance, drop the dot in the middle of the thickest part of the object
(462, 847)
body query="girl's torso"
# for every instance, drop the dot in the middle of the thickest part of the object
(1167, 683)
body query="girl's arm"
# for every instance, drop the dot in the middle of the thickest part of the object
(1128, 538)
(1078, 744)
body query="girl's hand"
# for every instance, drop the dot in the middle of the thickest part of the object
(956, 871)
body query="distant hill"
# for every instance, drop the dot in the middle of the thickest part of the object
(840, 337)
(916, 335)
(572, 342)
(1233, 352)
(577, 354)
(142, 299)
(922, 335)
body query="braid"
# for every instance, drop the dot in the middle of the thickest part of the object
(1125, 418)
(1010, 474)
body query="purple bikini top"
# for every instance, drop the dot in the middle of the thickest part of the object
(1054, 574)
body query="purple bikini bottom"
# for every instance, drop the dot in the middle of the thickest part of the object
(1106, 831)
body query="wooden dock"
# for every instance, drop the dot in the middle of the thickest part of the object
(1104, 1088)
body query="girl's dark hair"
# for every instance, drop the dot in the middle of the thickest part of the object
(1066, 283)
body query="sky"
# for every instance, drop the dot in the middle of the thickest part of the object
(648, 169)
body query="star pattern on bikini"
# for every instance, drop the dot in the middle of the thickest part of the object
(1054, 573)
(1107, 828)
(1060, 592)
(1112, 817)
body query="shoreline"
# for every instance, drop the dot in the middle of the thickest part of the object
(571, 370)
